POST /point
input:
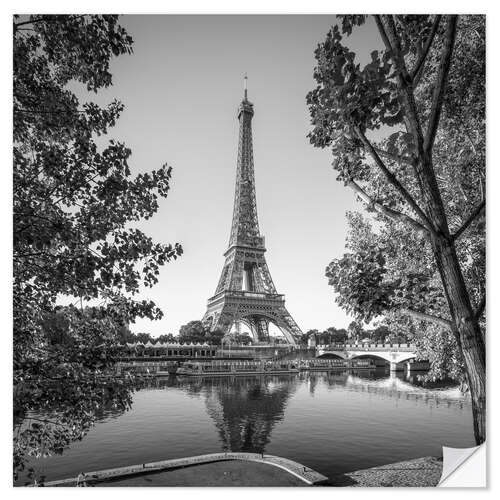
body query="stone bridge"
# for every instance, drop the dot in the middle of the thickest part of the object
(394, 354)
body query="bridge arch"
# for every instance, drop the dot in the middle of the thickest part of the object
(389, 357)
(374, 357)
(393, 354)
(333, 355)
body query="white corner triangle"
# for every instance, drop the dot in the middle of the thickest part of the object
(464, 467)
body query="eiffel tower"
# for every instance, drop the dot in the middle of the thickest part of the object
(246, 292)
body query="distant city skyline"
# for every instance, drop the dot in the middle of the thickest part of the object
(181, 89)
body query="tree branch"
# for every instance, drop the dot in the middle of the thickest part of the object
(393, 180)
(44, 420)
(386, 211)
(479, 210)
(31, 21)
(382, 32)
(397, 56)
(391, 40)
(44, 19)
(428, 317)
(47, 112)
(416, 73)
(441, 80)
(391, 156)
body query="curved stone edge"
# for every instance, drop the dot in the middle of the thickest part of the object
(306, 474)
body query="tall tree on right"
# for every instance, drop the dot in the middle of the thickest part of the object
(407, 132)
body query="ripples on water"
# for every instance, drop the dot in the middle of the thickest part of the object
(334, 422)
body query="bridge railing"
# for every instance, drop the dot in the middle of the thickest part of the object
(367, 347)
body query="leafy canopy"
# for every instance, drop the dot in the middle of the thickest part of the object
(366, 115)
(196, 332)
(75, 206)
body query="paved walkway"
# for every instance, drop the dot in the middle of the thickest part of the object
(228, 473)
(425, 471)
(251, 468)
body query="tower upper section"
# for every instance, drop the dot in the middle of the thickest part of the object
(245, 225)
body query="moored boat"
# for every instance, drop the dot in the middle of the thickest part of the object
(320, 365)
(323, 364)
(232, 368)
(363, 364)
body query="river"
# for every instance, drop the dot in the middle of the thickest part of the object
(331, 422)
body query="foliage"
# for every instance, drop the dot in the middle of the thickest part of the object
(358, 278)
(381, 272)
(379, 334)
(339, 335)
(239, 338)
(74, 207)
(333, 335)
(310, 333)
(126, 336)
(355, 330)
(167, 338)
(196, 332)
(329, 336)
(407, 133)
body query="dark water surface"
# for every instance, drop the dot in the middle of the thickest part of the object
(331, 422)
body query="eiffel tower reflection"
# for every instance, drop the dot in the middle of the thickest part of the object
(245, 410)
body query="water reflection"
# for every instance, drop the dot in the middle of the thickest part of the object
(245, 410)
(395, 386)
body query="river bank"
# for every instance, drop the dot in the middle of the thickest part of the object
(214, 469)
(419, 472)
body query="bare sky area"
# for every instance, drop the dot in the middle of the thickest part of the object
(181, 89)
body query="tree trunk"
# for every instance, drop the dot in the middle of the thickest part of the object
(465, 325)
(467, 331)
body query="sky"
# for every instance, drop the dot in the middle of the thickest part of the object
(181, 89)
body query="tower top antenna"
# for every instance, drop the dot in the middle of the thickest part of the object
(245, 81)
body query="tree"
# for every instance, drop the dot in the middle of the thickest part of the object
(238, 338)
(405, 263)
(214, 337)
(143, 337)
(75, 205)
(194, 331)
(124, 335)
(379, 334)
(337, 336)
(168, 338)
(355, 330)
(407, 132)
(310, 333)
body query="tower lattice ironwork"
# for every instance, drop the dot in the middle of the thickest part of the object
(246, 292)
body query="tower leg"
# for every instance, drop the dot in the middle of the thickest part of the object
(288, 326)
(218, 319)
